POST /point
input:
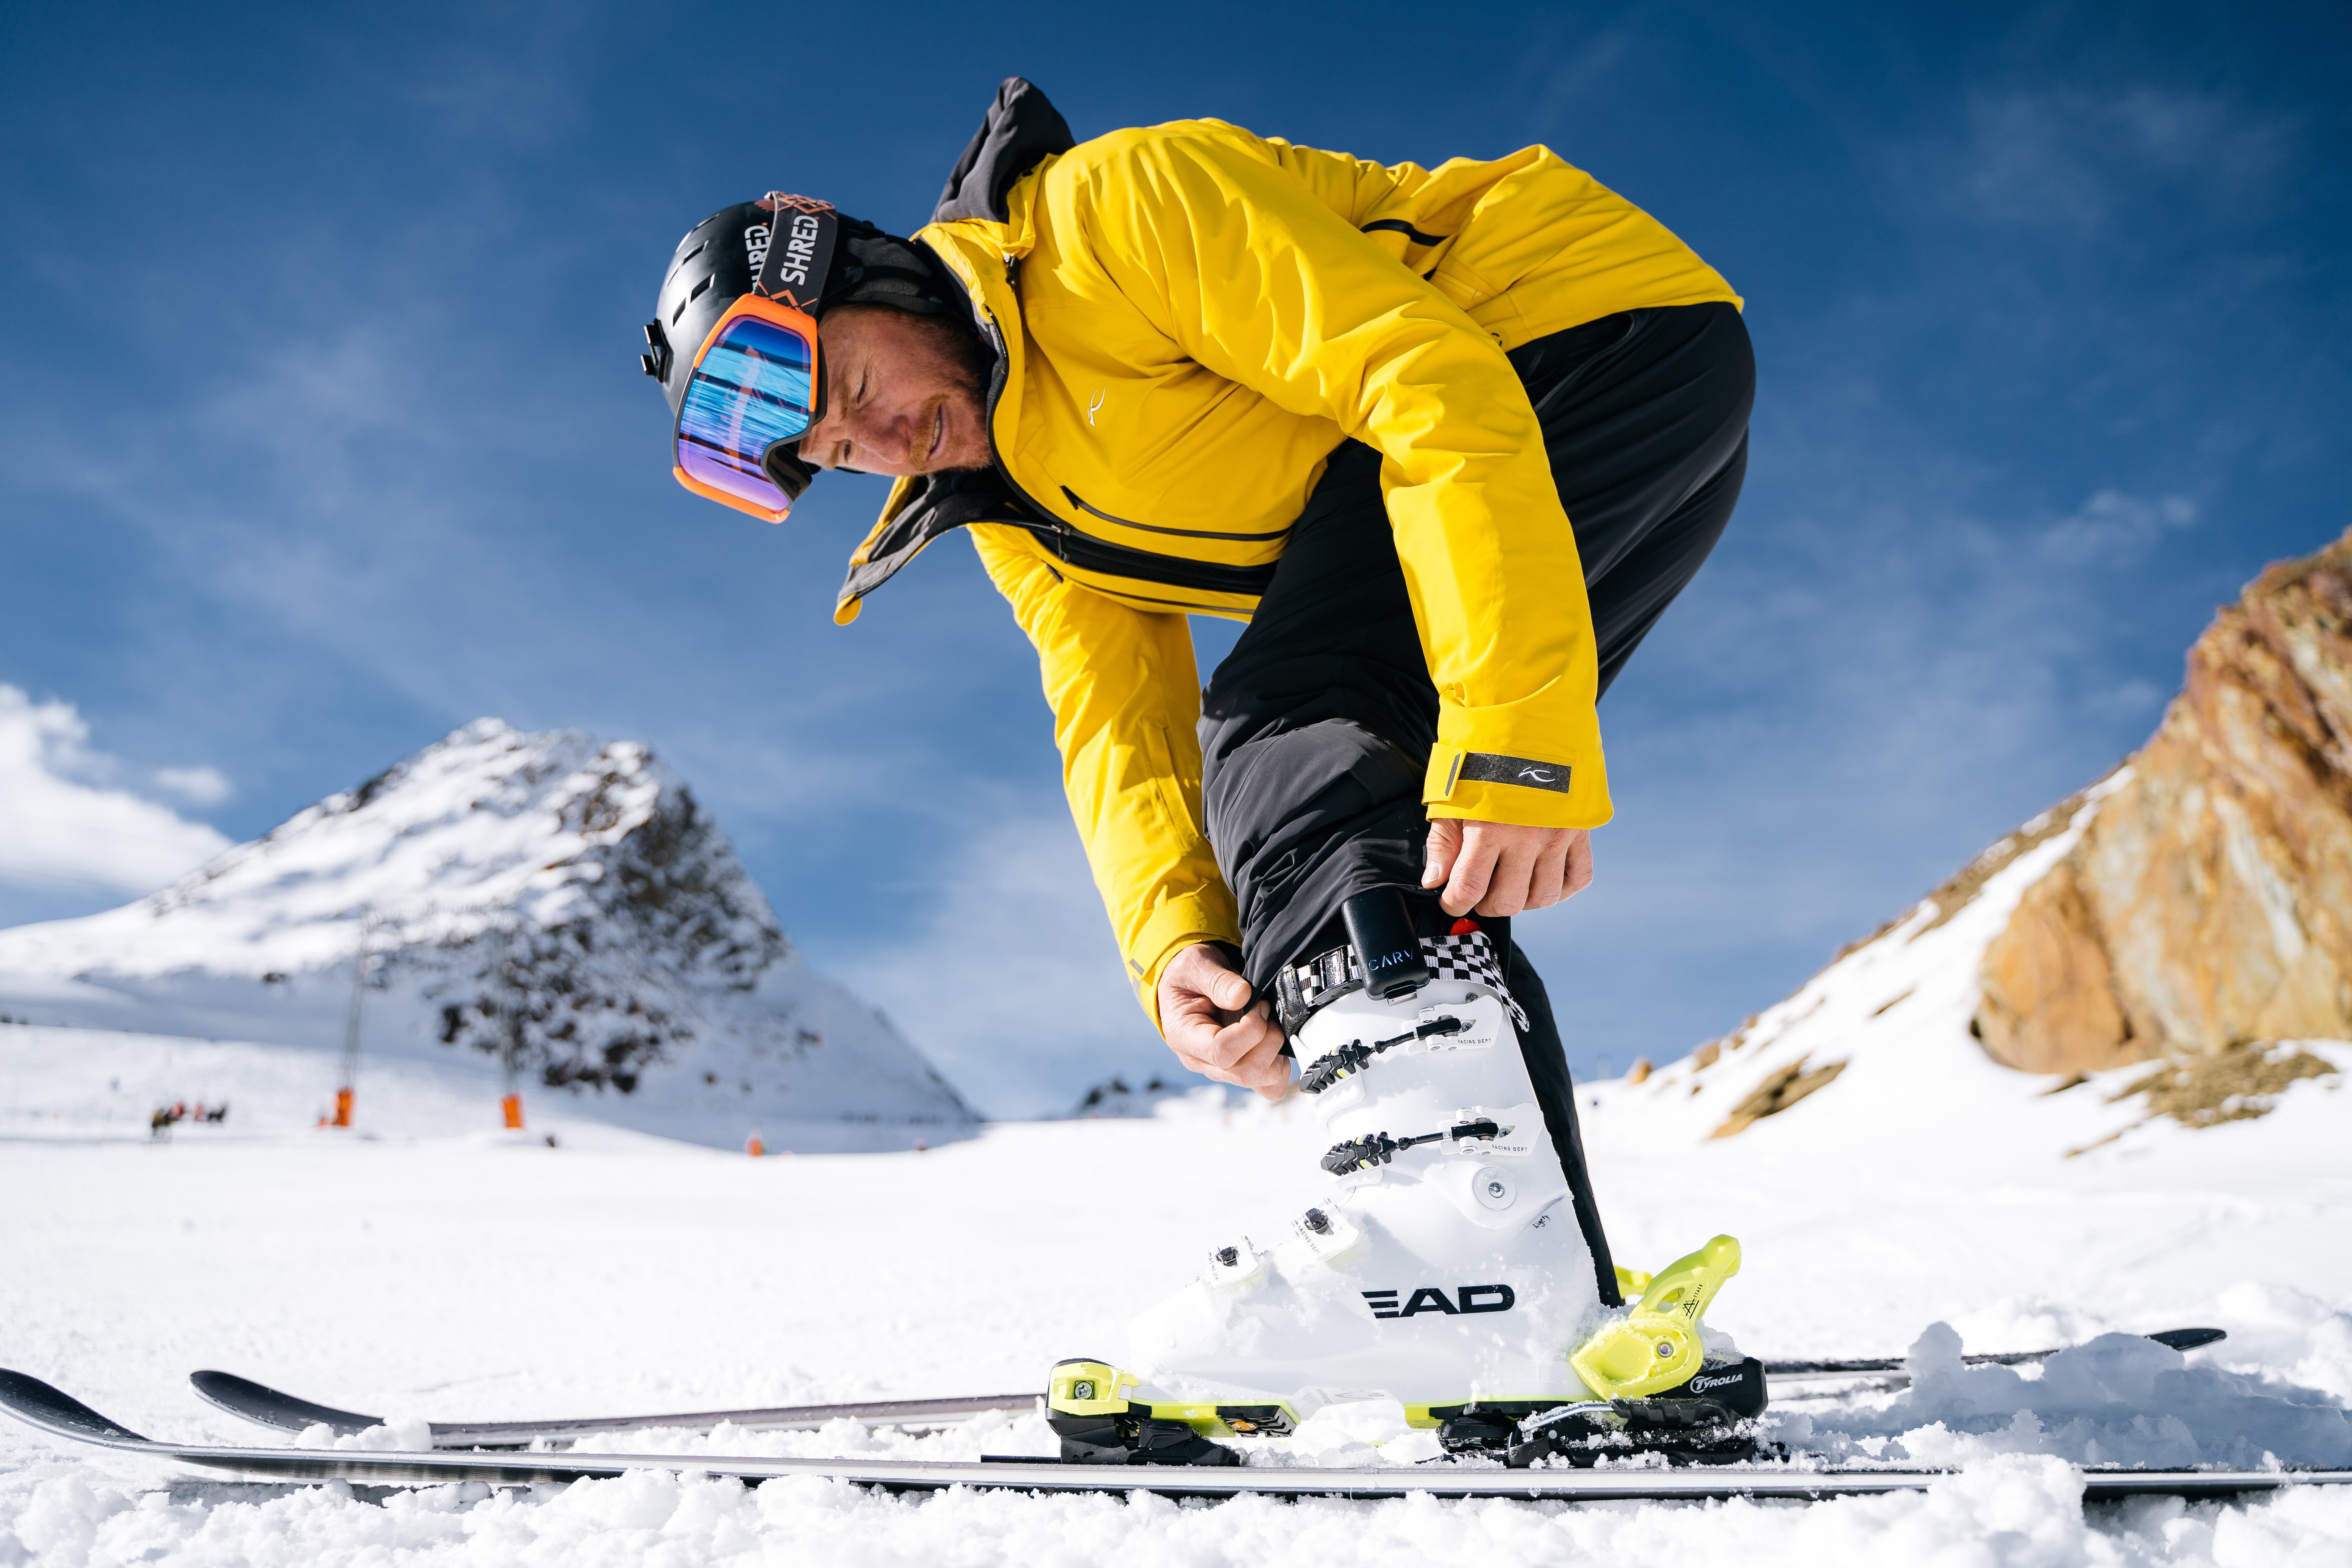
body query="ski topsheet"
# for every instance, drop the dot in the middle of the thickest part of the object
(259, 1403)
(269, 1407)
(38, 1405)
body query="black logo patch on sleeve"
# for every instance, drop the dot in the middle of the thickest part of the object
(1492, 767)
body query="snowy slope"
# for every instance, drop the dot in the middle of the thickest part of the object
(572, 889)
(1876, 1052)
(435, 1277)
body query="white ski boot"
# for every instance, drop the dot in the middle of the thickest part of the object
(1444, 1267)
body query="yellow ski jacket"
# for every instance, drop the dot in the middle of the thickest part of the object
(1189, 319)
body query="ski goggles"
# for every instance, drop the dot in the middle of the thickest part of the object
(755, 387)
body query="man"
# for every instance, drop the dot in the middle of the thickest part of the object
(1449, 440)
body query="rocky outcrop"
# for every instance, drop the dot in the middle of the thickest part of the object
(2208, 902)
(2188, 910)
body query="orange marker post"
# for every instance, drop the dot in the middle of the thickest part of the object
(512, 1105)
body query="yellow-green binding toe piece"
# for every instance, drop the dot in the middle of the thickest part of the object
(1657, 1345)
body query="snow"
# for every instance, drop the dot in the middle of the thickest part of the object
(427, 1266)
(430, 1267)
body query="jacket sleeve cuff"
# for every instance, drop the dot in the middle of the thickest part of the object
(1204, 916)
(1532, 791)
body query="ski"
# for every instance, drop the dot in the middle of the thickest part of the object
(270, 1408)
(267, 1407)
(39, 1405)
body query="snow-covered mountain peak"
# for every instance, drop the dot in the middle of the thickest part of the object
(568, 890)
(485, 827)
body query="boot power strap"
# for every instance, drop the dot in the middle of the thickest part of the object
(1302, 987)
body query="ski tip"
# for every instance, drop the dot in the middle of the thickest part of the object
(260, 1403)
(2188, 1339)
(36, 1403)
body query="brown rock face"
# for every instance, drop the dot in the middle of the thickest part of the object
(2209, 901)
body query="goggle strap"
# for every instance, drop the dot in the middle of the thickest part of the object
(800, 251)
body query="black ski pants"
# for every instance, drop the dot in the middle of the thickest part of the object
(1315, 730)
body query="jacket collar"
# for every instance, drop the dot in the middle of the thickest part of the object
(979, 231)
(1021, 132)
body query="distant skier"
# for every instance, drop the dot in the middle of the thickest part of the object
(1186, 369)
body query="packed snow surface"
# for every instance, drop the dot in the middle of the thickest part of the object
(425, 1265)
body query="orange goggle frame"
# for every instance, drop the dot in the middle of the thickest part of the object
(756, 383)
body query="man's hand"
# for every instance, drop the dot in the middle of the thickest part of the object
(1497, 869)
(1200, 1002)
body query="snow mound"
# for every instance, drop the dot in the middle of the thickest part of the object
(569, 897)
(2120, 1399)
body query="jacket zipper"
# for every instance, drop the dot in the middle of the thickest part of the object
(1083, 505)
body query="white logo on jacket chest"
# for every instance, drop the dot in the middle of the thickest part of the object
(1094, 408)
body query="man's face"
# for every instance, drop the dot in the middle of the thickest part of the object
(899, 397)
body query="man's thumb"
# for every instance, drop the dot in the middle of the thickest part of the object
(1444, 843)
(1233, 990)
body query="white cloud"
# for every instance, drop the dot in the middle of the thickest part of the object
(59, 822)
(2072, 159)
(204, 785)
(2114, 526)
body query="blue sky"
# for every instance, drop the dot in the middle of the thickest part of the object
(325, 436)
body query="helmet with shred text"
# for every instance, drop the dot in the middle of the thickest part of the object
(798, 258)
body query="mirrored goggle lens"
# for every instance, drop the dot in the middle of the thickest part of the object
(752, 390)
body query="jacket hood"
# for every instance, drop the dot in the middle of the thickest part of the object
(1021, 130)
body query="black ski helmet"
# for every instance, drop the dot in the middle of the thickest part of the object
(728, 254)
(715, 265)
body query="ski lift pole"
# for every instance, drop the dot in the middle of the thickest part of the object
(510, 1031)
(347, 1078)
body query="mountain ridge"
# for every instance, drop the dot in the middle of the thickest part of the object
(572, 889)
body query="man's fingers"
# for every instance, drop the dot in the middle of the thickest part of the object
(1236, 1040)
(1550, 876)
(1579, 864)
(1261, 1067)
(1264, 1068)
(1500, 869)
(1200, 991)
(1203, 1041)
(1444, 843)
(1507, 890)
(1473, 870)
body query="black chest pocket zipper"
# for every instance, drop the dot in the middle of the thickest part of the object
(1081, 503)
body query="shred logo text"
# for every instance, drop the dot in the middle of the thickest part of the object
(800, 250)
(1431, 1298)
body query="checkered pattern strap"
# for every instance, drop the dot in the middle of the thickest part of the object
(1469, 957)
